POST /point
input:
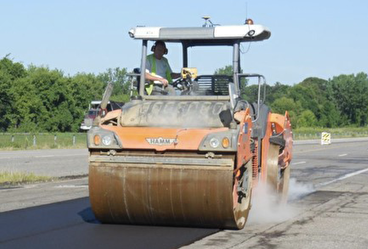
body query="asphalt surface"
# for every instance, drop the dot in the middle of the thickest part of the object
(328, 203)
(71, 224)
(328, 209)
(53, 162)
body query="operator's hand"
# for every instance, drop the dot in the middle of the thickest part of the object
(164, 82)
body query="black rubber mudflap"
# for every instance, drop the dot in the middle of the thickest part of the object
(260, 126)
(278, 140)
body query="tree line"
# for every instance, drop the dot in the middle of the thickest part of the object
(38, 99)
(314, 102)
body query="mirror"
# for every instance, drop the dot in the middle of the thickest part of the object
(233, 95)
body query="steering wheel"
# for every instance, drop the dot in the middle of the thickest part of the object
(182, 84)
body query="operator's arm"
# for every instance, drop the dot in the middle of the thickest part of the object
(156, 78)
(173, 75)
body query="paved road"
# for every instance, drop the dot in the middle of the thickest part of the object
(328, 209)
(55, 163)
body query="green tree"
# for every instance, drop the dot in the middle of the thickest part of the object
(84, 89)
(40, 99)
(118, 76)
(5, 100)
(28, 107)
(307, 119)
(306, 97)
(56, 100)
(250, 93)
(228, 70)
(351, 97)
(330, 116)
(284, 104)
(276, 91)
(9, 72)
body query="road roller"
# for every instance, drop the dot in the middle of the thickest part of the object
(192, 156)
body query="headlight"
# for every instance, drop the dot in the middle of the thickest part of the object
(214, 142)
(106, 140)
(220, 141)
(99, 138)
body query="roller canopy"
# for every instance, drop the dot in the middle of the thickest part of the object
(218, 35)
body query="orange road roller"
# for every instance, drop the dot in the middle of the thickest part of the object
(190, 156)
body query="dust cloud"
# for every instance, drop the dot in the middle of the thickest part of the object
(267, 209)
(298, 190)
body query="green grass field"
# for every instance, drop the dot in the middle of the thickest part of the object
(315, 133)
(22, 141)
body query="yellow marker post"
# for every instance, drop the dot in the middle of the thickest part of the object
(325, 138)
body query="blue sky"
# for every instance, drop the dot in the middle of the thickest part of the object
(309, 38)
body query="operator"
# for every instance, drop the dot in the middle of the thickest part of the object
(158, 71)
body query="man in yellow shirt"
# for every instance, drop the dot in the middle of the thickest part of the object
(158, 71)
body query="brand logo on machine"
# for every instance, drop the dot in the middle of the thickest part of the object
(160, 141)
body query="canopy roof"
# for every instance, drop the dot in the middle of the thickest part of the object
(203, 35)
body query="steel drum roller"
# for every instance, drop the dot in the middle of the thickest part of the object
(175, 195)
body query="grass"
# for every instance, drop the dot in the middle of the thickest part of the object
(15, 178)
(331, 130)
(23, 141)
(315, 133)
